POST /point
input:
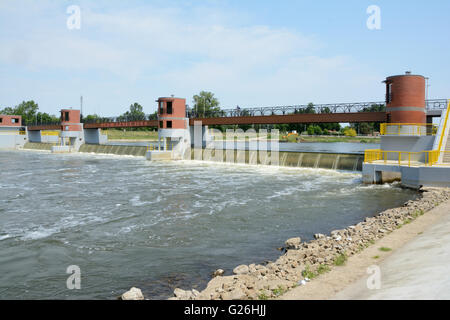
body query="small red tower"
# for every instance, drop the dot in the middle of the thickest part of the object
(171, 113)
(70, 120)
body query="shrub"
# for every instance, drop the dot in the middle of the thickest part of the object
(350, 132)
(340, 259)
(307, 273)
(323, 268)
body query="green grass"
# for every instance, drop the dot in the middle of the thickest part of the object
(385, 249)
(323, 268)
(418, 213)
(340, 259)
(279, 291)
(263, 296)
(307, 273)
(333, 139)
(376, 257)
(115, 134)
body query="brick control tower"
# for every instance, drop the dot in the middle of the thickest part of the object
(71, 132)
(173, 129)
(405, 99)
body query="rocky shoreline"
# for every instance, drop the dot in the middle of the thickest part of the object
(304, 261)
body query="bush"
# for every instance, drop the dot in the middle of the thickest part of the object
(314, 130)
(350, 132)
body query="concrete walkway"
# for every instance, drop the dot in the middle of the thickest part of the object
(418, 270)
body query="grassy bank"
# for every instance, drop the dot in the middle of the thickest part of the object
(357, 139)
(114, 134)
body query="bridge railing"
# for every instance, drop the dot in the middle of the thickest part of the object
(434, 104)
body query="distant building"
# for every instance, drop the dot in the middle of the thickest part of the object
(10, 121)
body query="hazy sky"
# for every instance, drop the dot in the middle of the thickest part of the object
(249, 53)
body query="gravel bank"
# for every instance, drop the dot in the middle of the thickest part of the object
(304, 261)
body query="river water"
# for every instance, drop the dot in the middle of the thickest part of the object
(129, 222)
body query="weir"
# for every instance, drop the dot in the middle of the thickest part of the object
(322, 160)
(114, 149)
(332, 161)
(39, 146)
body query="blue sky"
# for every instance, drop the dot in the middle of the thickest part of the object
(249, 53)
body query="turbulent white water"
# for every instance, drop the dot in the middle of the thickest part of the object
(129, 222)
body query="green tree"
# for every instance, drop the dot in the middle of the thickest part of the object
(369, 127)
(91, 118)
(153, 116)
(43, 117)
(135, 113)
(205, 104)
(27, 109)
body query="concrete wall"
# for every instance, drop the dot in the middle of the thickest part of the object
(95, 136)
(34, 136)
(407, 143)
(412, 177)
(49, 139)
(12, 141)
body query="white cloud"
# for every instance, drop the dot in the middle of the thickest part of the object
(181, 53)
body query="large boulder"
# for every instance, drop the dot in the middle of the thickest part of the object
(218, 273)
(293, 243)
(242, 269)
(184, 294)
(133, 294)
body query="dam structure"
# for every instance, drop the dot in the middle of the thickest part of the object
(412, 148)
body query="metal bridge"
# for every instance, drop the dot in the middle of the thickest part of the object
(312, 113)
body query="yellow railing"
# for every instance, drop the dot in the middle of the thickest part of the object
(445, 127)
(408, 129)
(428, 157)
(152, 147)
(408, 158)
(50, 133)
(16, 132)
(435, 154)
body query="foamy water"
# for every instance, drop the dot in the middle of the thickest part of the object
(129, 222)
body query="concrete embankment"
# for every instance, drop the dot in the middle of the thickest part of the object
(416, 268)
(289, 276)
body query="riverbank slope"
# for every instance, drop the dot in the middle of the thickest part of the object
(330, 262)
(413, 263)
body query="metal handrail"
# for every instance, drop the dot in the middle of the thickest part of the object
(412, 129)
(445, 126)
(403, 157)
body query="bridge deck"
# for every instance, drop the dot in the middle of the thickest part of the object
(273, 119)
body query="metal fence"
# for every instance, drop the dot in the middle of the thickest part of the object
(434, 104)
